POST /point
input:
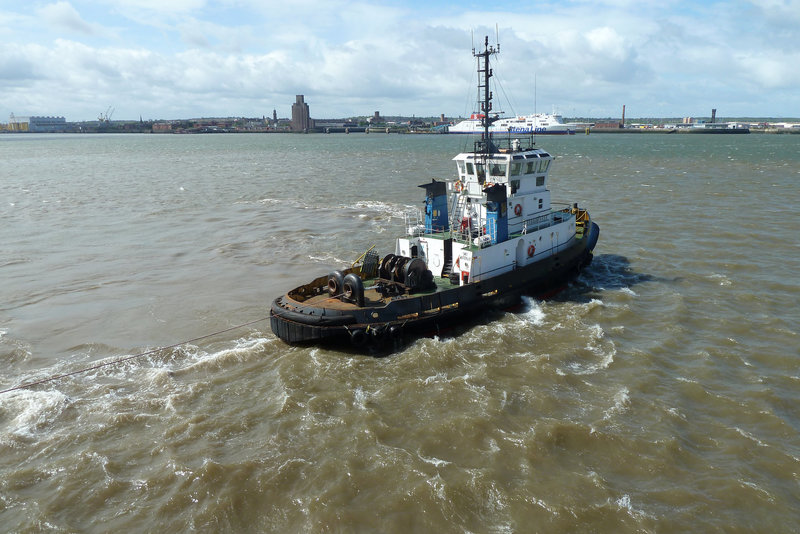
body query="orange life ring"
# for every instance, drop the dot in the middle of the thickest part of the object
(518, 210)
(531, 250)
(459, 186)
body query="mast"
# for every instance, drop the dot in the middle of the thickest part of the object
(485, 144)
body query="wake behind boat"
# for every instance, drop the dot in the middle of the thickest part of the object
(538, 123)
(483, 240)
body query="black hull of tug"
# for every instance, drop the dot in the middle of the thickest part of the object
(427, 314)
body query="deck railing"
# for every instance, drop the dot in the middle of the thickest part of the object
(464, 234)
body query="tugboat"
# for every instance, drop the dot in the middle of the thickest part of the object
(483, 240)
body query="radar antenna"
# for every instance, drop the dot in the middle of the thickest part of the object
(485, 95)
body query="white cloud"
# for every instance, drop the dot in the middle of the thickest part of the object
(192, 58)
(63, 15)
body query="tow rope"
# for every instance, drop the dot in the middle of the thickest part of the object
(126, 358)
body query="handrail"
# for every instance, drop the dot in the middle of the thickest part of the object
(364, 255)
(414, 224)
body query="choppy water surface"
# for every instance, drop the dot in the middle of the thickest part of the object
(659, 393)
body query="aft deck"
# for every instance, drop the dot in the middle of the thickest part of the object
(320, 298)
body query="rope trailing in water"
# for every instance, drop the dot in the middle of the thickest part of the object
(126, 358)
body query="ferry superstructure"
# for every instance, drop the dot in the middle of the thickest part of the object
(537, 123)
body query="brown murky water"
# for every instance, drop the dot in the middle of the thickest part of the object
(659, 393)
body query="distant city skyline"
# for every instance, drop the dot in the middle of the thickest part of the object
(200, 58)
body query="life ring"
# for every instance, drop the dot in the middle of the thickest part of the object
(531, 250)
(459, 186)
(518, 210)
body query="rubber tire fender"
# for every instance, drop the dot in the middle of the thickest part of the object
(395, 332)
(358, 337)
(335, 283)
(353, 289)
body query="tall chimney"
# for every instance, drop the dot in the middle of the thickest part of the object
(713, 115)
(622, 125)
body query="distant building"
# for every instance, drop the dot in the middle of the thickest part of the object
(301, 121)
(36, 124)
(47, 124)
(608, 124)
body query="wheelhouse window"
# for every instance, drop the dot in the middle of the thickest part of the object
(530, 167)
(514, 186)
(543, 165)
(539, 181)
(460, 167)
(497, 169)
(516, 167)
(470, 168)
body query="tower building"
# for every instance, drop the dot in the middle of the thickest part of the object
(300, 117)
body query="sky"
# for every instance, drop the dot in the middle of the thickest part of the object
(174, 59)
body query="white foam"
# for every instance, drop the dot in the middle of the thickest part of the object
(534, 312)
(622, 400)
(434, 461)
(381, 208)
(328, 258)
(242, 349)
(437, 484)
(624, 503)
(34, 410)
(604, 349)
(721, 279)
(359, 398)
(751, 437)
(438, 377)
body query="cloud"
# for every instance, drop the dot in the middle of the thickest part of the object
(63, 15)
(193, 57)
(15, 65)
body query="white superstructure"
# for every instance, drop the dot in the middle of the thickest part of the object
(538, 123)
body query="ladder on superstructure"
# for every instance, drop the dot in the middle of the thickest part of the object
(457, 214)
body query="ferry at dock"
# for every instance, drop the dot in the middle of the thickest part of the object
(538, 123)
(484, 239)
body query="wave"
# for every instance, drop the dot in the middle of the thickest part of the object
(25, 413)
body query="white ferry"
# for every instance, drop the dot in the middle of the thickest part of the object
(538, 123)
(484, 239)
